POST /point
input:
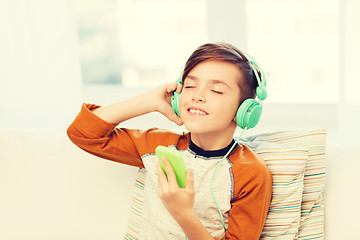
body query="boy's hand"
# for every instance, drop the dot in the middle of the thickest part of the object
(178, 201)
(164, 94)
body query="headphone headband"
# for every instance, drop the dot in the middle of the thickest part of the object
(261, 91)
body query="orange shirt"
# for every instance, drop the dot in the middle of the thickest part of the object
(242, 184)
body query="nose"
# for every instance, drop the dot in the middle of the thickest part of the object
(199, 96)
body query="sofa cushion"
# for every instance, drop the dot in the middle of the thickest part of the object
(312, 204)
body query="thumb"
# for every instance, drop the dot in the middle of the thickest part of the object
(171, 115)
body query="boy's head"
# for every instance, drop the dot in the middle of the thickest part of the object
(216, 79)
(227, 53)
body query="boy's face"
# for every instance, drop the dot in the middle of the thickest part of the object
(210, 97)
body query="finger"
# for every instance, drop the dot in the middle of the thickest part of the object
(162, 180)
(171, 87)
(171, 115)
(179, 88)
(190, 180)
(169, 172)
(176, 119)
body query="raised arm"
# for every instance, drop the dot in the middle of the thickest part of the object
(94, 129)
(155, 100)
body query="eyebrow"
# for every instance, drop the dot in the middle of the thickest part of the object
(213, 81)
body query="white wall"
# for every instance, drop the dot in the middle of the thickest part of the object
(40, 78)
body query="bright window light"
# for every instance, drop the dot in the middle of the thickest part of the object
(297, 43)
(138, 43)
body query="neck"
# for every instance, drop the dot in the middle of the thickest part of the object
(212, 141)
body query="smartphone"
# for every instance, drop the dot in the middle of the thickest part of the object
(176, 161)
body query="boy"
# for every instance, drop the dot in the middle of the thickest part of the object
(217, 78)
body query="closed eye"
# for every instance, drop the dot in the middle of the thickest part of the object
(218, 92)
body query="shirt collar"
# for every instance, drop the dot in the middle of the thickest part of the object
(213, 153)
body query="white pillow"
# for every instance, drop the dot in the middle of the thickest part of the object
(312, 205)
(287, 166)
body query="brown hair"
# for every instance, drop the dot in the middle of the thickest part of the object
(228, 53)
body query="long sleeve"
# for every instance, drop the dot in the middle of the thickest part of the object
(103, 139)
(251, 179)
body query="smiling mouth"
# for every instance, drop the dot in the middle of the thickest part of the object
(197, 111)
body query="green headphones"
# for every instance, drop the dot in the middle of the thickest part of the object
(249, 112)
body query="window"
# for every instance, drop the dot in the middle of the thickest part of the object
(297, 43)
(142, 43)
(138, 42)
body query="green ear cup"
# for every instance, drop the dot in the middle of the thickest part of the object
(175, 103)
(175, 99)
(248, 114)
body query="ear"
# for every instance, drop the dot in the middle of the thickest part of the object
(234, 121)
(236, 113)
